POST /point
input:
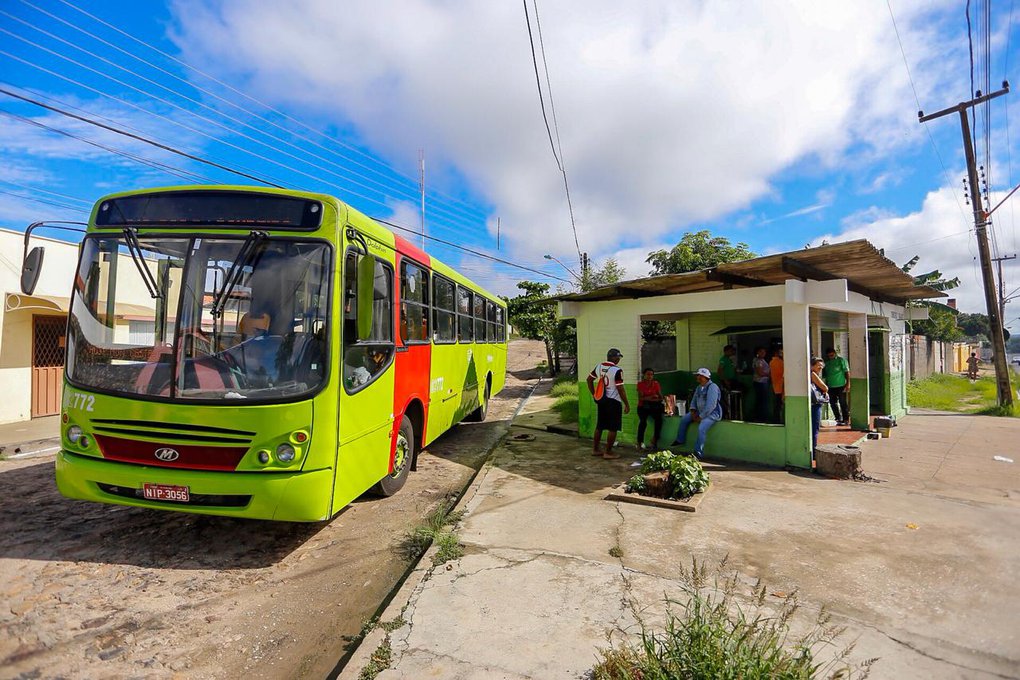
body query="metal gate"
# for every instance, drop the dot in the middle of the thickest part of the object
(48, 343)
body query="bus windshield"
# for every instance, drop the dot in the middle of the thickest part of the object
(232, 318)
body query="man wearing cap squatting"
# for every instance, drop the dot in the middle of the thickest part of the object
(705, 410)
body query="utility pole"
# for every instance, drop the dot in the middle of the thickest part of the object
(1002, 287)
(981, 222)
(421, 185)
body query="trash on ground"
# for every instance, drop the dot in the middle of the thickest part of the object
(1002, 459)
(911, 525)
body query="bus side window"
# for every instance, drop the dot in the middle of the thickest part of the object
(364, 360)
(414, 303)
(444, 295)
(465, 329)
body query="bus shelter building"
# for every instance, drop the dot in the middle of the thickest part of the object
(847, 296)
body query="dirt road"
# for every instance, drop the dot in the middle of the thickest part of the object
(89, 590)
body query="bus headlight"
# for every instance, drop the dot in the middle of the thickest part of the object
(74, 433)
(285, 453)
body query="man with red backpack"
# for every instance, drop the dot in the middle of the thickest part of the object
(605, 382)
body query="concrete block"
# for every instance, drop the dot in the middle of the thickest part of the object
(838, 460)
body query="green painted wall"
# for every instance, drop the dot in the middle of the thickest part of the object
(860, 404)
(729, 440)
(798, 432)
(897, 394)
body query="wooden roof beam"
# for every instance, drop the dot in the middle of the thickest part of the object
(805, 271)
(730, 280)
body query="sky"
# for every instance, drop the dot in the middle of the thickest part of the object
(779, 125)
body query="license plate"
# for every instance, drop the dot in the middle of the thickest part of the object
(166, 492)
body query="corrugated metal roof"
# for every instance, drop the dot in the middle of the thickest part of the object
(865, 268)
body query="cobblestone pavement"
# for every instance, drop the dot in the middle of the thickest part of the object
(91, 590)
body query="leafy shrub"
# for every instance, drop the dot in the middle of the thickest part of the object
(686, 475)
(636, 484)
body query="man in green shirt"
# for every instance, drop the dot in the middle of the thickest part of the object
(727, 370)
(837, 376)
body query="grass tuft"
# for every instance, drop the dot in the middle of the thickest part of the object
(433, 529)
(381, 659)
(710, 634)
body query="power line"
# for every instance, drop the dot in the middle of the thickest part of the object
(181, 173)
(476, 253)
(222, 167)
(347, 174)
(249, 98)
(917, 100)
(139, 138)
(545, 118)
(47, 191)
(44, 201)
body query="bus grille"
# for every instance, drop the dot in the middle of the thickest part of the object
(171, 454)
(175, 432)
(204, 500)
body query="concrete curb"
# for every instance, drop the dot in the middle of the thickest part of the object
(362, 654)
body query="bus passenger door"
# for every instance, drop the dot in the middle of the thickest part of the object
(367, 376)
(414, 346)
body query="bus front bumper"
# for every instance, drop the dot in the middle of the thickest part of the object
(284, 496)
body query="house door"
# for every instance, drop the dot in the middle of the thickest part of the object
(48, 341)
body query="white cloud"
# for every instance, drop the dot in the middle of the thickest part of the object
(670, 113)
(942, 234)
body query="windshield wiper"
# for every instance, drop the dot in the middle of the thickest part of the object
(135, 248)
(245, 256)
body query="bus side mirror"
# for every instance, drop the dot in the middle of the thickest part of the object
(30, 270)
(366, 296)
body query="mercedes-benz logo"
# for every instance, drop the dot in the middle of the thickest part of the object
(167, 455)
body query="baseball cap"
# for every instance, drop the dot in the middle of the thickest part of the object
(613, 353)
(705, 372)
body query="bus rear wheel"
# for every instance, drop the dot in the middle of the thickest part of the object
(478, 415)
(402, 458)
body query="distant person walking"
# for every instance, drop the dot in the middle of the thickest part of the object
(776, 371)
(706, 411)
(762, 397)
(972, 366)
(837, 377)
(649, 406)
(605, 382)
(819, 395)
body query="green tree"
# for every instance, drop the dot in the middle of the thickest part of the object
(533, 316)
(606, 274)
(697, 250)
(941, 323)
(976, 326)
(694, 251)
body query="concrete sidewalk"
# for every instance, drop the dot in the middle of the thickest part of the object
(921, 567)
(39, 436)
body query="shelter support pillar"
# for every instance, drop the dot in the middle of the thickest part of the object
(796, 357)
(860, 398)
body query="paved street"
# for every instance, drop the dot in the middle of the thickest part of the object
(95, 590)
(920, 565)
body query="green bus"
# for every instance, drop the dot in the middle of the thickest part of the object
(261, 353)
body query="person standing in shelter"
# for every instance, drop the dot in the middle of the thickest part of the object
(761, 372)
(706, 411)
(837, 377)
(972, 366)
(819, 395)
(649, 406)
(727, 370)
(776, 372)
(605, 382)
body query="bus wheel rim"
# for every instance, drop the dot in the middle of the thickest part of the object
(400, 455)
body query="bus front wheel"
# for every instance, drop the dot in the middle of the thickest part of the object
(402, 458)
